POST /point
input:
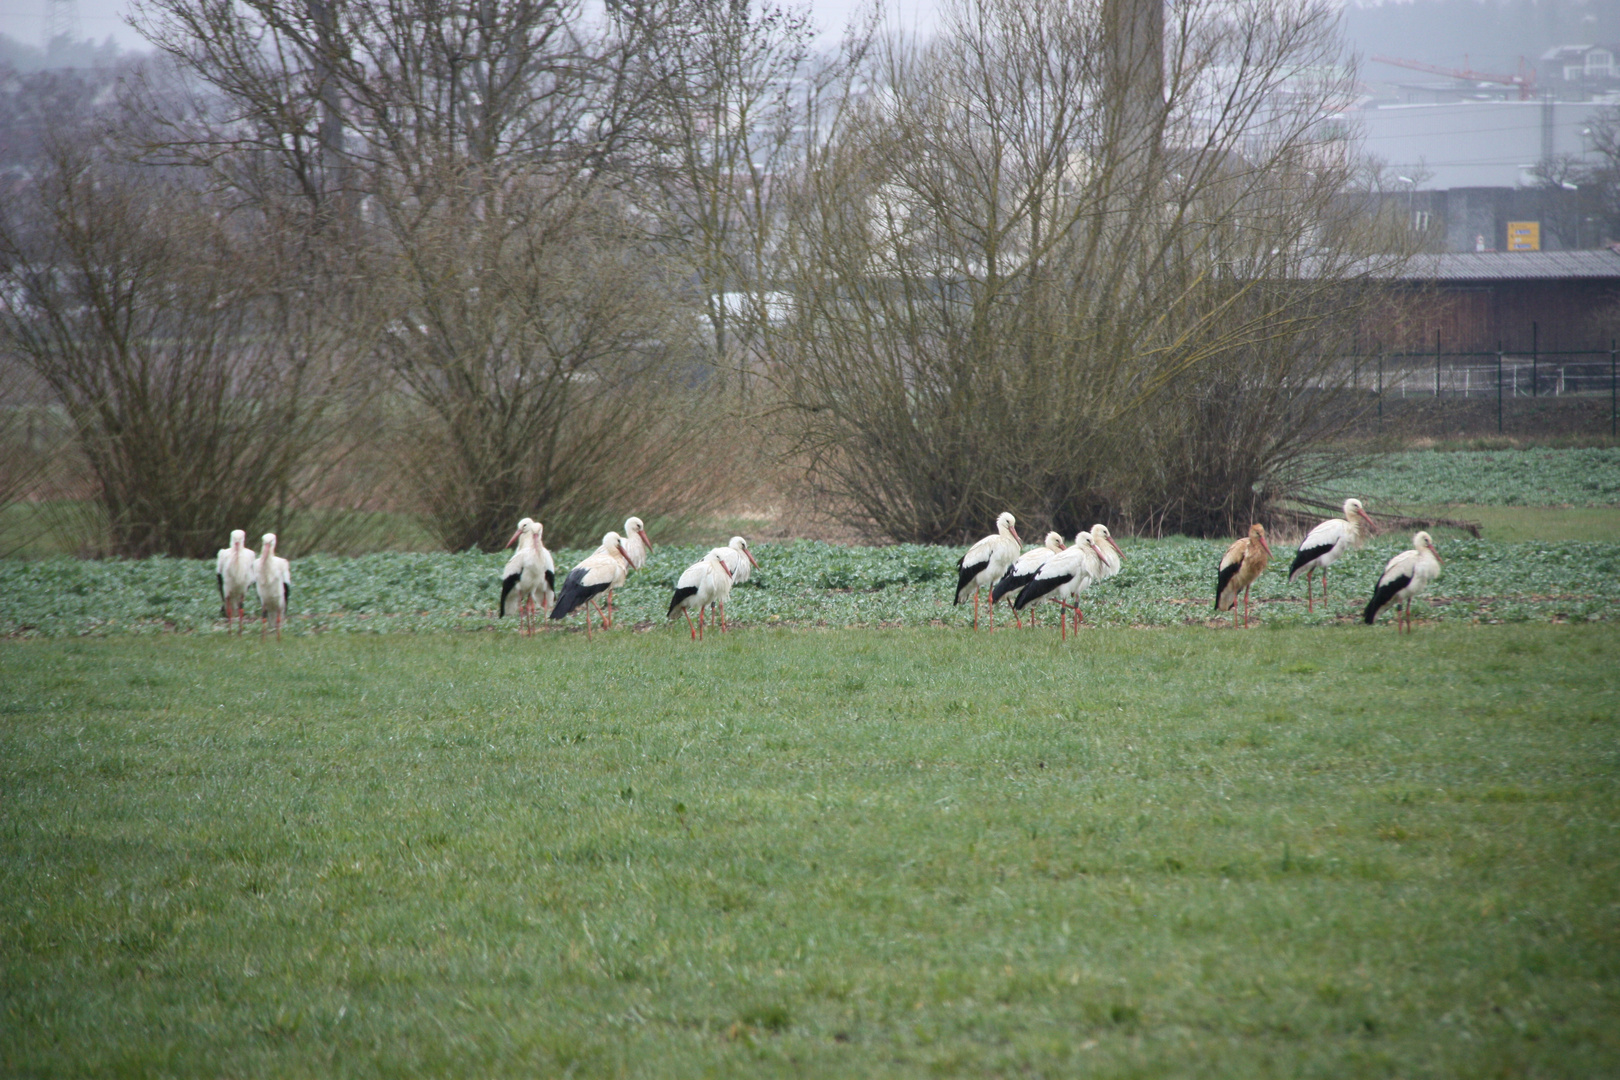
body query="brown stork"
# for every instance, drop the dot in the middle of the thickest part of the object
(1243, 562)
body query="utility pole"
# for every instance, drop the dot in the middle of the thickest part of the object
(1547, 128)
(333, 165)
(1134, 99)
(61, 21)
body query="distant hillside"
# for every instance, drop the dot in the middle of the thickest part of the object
(62, 52)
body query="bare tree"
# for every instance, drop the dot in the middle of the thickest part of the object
(739, 86)
(1023, 280)
(475, 157)
(200, 387)
(552, 364)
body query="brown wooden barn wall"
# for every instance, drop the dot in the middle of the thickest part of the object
(1475, 316)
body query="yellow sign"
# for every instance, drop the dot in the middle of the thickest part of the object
(1524, 236)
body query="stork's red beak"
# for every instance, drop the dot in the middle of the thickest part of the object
(1262, 538)
(1014, 531)
(645, 539)
(1121, 553)
(1368, 520)
(751, 559)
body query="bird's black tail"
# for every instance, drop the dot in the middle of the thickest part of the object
(1008, 582)
(1303, 556)
(675, 601)
(574, 593)
(1382, 596)
(1226, 574)
(1035, 590)
(507, 585)
(964, 576)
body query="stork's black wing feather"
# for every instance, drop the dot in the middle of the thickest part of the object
(1305, 555)
(551, 581)
(575, 592)
(507, 585)
(1383, 595)
(286, 593)
(1011, 580)
(966, 572)
(1036, 589)
(1228, 572)
(675, 601)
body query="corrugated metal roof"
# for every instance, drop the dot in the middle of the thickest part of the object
(1514, 266)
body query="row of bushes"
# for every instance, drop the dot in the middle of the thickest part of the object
(1062, 258)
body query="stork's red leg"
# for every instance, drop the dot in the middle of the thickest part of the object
(690, 628)
(1308, 606)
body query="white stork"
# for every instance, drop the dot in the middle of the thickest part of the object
(1023, 569)
(740, 564)
(1406, 575)
(595, 574)
(707, 581)
(1327, 543)
(530, 573)
(1243, 562)
(637, 545)
(985, 562)
(1063, 578)
(234, 571)
(1107, 551)
(273, 576)
(1108, 554)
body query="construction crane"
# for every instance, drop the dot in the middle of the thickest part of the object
(1525, 80)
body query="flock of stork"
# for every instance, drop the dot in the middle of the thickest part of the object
(1054, 572)
(1060, 574)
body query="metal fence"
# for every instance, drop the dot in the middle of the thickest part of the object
(1502, 376)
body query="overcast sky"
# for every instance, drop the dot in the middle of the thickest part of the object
(25, 19)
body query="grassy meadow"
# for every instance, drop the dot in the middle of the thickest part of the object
(849, 838)
(801, 583)
(1513, 495)
(1292, 852)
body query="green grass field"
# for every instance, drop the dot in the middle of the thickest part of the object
(1293, 852)
(1525, 524)
(804, 583)
(1532, 477)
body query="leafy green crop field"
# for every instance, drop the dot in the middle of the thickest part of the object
(1316, 852)
(1163, 583)
(1533, 477)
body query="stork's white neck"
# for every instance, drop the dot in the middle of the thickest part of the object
(1358, 529)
